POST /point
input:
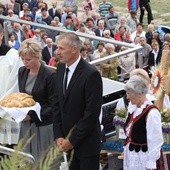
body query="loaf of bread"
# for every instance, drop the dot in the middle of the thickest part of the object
(17, 100)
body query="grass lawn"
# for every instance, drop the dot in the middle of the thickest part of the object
(160, 10)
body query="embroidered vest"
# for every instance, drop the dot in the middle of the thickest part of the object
(137, 135)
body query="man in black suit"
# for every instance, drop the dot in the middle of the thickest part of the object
(14, 6)
(78, 108)
(53, 11)
(48, 50)
(101, 27)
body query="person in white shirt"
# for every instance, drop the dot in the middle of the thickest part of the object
(24, 6)
(10, 63)
(139, 32)
(99, 52)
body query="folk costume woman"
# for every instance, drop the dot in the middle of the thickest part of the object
(143, 128)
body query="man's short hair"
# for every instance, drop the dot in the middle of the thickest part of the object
(43, 9)
(110, 7)
(68, 17)
(89, 19)
(139, 24)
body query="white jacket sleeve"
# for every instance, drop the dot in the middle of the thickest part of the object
(154, 137)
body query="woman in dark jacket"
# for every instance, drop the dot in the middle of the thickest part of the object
(37, 80)
(155, 54)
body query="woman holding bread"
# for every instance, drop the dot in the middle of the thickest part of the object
(36, 79)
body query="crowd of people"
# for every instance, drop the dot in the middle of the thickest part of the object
(76, 82)
(96, 19)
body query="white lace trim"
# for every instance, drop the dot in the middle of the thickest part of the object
(137, 110)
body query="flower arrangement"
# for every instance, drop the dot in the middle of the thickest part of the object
(119, 120)
(165, 115)
(120, 117)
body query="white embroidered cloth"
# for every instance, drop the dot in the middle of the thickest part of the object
(18, 114)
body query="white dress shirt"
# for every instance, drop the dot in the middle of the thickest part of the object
(71, 70)
(50, 51)
(155, 55)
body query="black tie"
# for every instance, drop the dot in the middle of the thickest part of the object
(65, 81)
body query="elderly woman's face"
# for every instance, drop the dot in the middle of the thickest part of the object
(107, 35)
(133, 97)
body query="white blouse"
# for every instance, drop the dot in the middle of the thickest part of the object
(145, 160)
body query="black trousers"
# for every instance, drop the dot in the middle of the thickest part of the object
(85, 163)
(149, 11)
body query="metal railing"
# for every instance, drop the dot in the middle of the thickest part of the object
(131, 47)
(9, 151)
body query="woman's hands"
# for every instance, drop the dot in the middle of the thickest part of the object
(27, 118)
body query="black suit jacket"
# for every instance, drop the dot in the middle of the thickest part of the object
(16, 9)
(151, 61)
(46, 54)
(97, 32)
(79, 109)
(42, 92)
(50, 11)
(4, 49)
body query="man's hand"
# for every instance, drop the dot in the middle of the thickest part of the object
(66, 145)
(58, 142)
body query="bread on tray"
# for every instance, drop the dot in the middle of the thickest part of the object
(17, 100)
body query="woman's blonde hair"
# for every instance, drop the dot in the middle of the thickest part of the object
(142, 73)
(30, 47)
